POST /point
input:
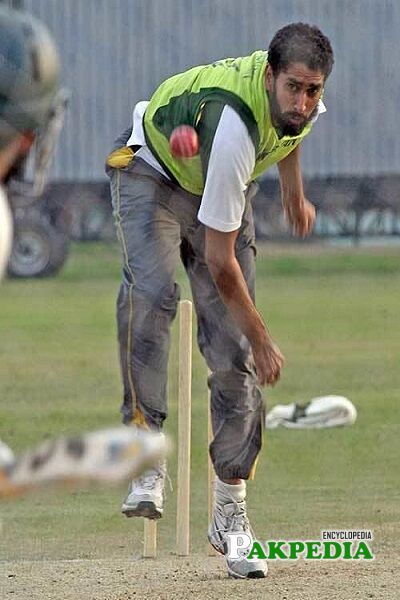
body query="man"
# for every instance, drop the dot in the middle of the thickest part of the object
(30, 99)
(249, 113)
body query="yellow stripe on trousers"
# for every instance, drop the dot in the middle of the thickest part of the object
(138, 417)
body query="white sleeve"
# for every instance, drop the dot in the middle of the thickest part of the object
(137, 137)
(231, 163)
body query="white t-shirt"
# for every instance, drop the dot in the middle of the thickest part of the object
(231, 163)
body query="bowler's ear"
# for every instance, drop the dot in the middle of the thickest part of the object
(269, 78)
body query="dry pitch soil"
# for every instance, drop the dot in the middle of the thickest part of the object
(196, 577)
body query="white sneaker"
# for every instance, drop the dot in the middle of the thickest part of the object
(146, 494)
(232, 518)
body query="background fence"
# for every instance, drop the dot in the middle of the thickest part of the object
(115, 52)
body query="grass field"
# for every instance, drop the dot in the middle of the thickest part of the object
(334, 315)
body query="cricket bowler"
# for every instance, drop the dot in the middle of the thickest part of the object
(174, 198)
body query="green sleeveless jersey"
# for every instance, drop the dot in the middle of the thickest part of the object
(182, 99)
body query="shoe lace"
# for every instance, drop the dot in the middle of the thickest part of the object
(149, 479)
(238, 521)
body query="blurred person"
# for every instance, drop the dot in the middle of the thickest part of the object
(29, 84)
(249, 113)
(30, 99)
(28, 88)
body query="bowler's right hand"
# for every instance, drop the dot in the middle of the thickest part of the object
(269, 361)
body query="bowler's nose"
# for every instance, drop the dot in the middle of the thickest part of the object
(301, 103)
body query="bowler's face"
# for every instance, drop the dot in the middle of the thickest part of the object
(293, 95)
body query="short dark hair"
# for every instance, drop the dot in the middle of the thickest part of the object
(299, 42)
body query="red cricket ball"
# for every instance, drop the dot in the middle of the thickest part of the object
(184, 142)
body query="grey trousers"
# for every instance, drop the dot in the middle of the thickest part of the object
(157, 226)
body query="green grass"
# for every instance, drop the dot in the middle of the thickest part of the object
(335, 317)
